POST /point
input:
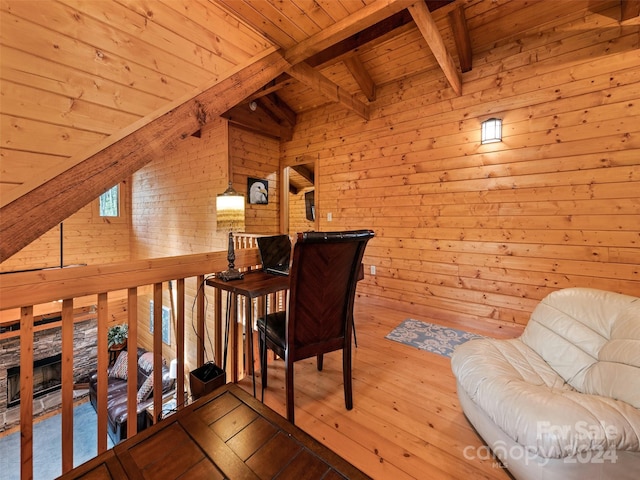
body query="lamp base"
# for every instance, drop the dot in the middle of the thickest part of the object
(231, 274)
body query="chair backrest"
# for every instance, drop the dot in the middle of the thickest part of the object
(322, 288)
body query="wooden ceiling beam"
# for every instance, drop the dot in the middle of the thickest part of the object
(362, 77)
(116, 158)
(378, 32)
(259, 120)
(429, 31)
(461, 37)
(354, 23)
(282, 111)
(282, 81)
(629, 9)
(391, 26)
(313, 79)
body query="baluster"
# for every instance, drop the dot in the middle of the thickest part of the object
(103, 364)
(26, 393)
(67, 385)
(132, 361)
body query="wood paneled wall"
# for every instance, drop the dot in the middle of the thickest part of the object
(174, 198)
(87, 239)
(174, 213)
(255, 155)
(465, 230)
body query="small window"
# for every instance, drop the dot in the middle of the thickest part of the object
(110, 202)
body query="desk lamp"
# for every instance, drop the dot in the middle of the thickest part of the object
(230, 216)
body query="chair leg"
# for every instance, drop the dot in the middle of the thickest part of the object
(289, 390)
(262, 346)
(320, 359)
(353, 325)
(346, 372)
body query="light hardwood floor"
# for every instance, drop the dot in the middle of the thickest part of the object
(406, 422)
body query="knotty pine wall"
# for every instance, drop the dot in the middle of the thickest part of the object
(87, 239)
(471, 231)
(257, 156)
(174, 212)
(174, 198)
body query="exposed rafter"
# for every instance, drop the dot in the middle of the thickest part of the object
(279, 109)
(260, 120)
(354, 23)
(283, 81)
(362, 77)
(429, 30)
(461, 37)
(269, 115)
(629, 9)
(313, 79)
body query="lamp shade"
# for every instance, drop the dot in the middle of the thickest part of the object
(230, 210)
(173, 369)
(491, 130)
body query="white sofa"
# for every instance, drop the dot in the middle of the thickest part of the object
(562, 401)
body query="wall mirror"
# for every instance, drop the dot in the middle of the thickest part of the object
(300, 213)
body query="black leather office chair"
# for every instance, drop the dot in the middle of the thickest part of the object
(319, 313)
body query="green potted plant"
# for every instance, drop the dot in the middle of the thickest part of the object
(117, 336)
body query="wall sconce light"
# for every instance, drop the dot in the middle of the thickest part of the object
(253, 106)
(230, 216)
(491, 131)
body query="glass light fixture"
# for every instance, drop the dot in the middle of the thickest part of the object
(230, 216)
(491, 131)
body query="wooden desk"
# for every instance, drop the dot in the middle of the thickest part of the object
(227, 434)
(254, 284)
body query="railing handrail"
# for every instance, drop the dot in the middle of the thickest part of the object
(32, 288)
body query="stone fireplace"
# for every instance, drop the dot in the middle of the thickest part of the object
(47, 348)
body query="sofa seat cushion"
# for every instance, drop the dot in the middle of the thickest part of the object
(534, 405)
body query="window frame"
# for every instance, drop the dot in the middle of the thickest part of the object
(122, 212)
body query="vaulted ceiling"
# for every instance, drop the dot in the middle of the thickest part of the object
(93, 90)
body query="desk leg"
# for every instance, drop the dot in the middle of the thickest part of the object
(250, 357)
(217, 321)
(234, 337)
(248, 330)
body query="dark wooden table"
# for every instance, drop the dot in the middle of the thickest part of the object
(254, 284)
(226, 434)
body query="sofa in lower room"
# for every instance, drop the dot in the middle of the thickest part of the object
(117, 392)
(562, 401)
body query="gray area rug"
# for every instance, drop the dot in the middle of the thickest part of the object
(47, 448)
(430, 337)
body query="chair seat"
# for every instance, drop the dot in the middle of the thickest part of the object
(276, 327)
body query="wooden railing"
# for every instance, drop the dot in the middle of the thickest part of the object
(22, 293)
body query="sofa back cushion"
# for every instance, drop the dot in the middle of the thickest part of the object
(616, 374)
(569, 328)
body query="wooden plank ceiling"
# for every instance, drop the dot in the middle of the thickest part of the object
(94, 90)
